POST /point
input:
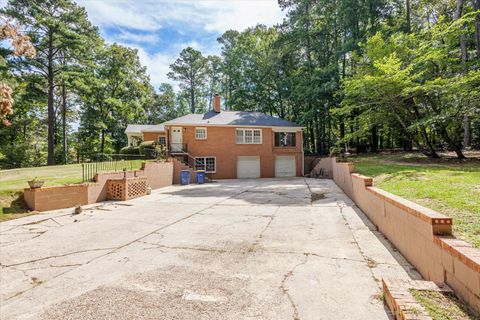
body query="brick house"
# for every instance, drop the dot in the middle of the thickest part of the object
(233, 144)
(136, 133)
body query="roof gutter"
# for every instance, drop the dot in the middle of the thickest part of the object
(227, 125)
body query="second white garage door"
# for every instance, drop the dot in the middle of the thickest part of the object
(285, 166)
(248, 167)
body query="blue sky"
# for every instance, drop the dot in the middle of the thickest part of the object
(161, 29)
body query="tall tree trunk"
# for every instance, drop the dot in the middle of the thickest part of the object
(463, 40)
(424, 134)
(407, 144)
(464, 54)
(102, 145)
(451, 143)
(476, 7)
(374, 139)
(50, 106)
(467, 134)
(408, 14)
(192, 100)
(312, 138)
(64, 123)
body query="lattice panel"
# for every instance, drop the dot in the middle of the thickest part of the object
(136, 188)
(124, 189)
(116, 190)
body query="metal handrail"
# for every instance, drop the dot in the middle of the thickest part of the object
(110, 163)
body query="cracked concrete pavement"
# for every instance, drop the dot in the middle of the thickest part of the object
(236, 249)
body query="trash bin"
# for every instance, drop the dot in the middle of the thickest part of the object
(200, 176)
(185, 177)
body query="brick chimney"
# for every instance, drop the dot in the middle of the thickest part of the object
(216, 103)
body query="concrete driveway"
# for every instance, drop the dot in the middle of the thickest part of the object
(237, 249)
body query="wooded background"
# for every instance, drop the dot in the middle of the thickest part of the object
(364, 75)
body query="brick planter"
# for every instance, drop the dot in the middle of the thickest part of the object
(56, 197)
(124, 189)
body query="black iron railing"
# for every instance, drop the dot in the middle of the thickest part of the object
(110, 163)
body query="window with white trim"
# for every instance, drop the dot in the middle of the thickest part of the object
(249, 136)
(162, 140)
(201, 133)
(207, 164)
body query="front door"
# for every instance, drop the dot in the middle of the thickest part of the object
(176, 139)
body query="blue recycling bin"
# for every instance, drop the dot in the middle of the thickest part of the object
(200, 176)
(185, 177)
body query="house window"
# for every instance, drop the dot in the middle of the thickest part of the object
(285, 139)
(162, 140)
(200, 133)
(207, 164)
(249, 136)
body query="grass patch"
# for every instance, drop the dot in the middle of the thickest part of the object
(451, 188)
(12, 183)
(443, 306)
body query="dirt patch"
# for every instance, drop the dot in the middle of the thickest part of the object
(169, 293)
(315, 196)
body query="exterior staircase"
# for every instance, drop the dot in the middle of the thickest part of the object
(188, 160)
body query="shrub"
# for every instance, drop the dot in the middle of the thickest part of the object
(130, 150)
(146, 145)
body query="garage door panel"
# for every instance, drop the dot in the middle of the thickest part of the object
(248, 167)
(285, 166)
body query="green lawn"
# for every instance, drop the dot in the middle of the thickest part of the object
(12, 183)
(443, 306)
(449, 187)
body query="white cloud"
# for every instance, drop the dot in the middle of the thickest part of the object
(240, 14)
(158, 65)
(210, 15)
(198, 21)
(129, 14)
(136, 37)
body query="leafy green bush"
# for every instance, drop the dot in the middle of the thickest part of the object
(146, 145)
(130, 150)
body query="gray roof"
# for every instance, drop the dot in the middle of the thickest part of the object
(232, 118)
(138, 128)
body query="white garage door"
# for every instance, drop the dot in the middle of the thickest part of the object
(248, 167)
(285, 166)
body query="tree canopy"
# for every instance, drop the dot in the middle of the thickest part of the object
(363, 76)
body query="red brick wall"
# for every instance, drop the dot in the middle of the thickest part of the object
(159, 174)
(153, 136)
(221, 143)
(56, 197)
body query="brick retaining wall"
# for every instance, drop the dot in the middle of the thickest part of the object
(56, 197)
(422, 235)
(157, 174)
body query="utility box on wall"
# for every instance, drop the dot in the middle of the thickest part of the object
(124, 189)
